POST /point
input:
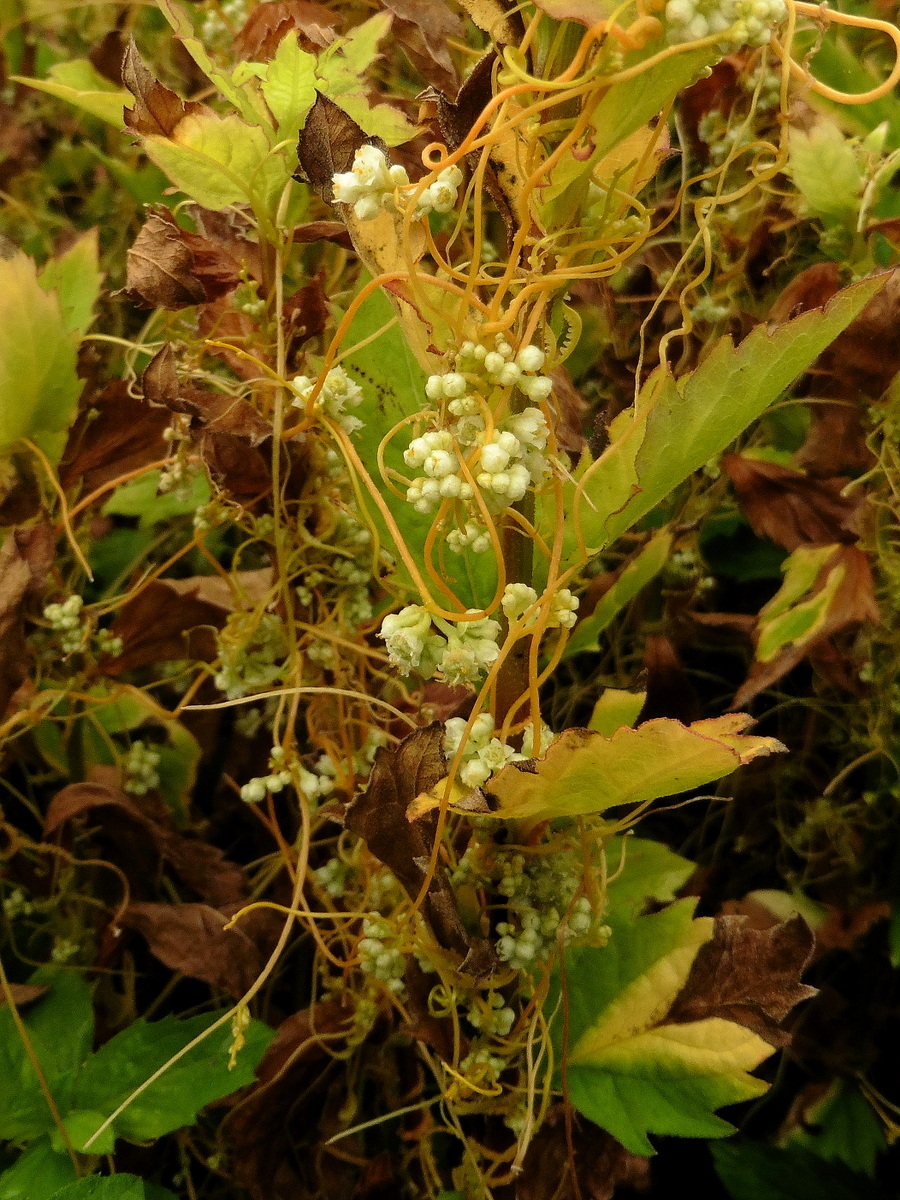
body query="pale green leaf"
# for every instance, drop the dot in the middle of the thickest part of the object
(615, 708)
(679, 425)
(636, 575)
(139, 498)
(38, 359)
(826, 172)
(79, 83)
(289, 86)
(220, 161)
(75, 277)
(584, 772)
(800, 623)
(113, 1187)
(801, 570)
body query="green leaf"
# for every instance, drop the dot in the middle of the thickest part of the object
(842, 1127)
(679, 425)
(826, 172)
(637, 574)
(75, 278)
(787, 618)
(220, 161)
(113, 1187)
(79, 83)
(585, 772)
(393, 385)
(139, 499)
(200, 1077)
(81, 1127)
(755, 1171)
(60, 1027)
(38, 1173)
(38, 358)
(289, 86)
(627, 1070)
(652, 872)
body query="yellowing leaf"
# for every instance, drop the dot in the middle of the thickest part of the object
(791, 623)
(585, 772)
(615, 708)
(219, 161)
(75, 277)
(39, 384)
(79, 83)
(826, 171)
(289, 86)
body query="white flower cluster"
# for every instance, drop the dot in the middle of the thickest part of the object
(338, 393)
(492, 1015)
(17, 904)
(139, 765)
(379, 958)
(268, 785)
(343, 581)
(503, 464)
(459, 654)
(739, 22)
(250, 653)
(540, 891)
(518, 598)
(372, 185)
(483, 754)
(332, 877)
(65, 618)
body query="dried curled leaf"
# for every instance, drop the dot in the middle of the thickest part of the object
(326, 146)
(585, 772)
(157, 109)
(168, 267)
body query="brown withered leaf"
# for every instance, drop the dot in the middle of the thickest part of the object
(163, 625)
(423, 28)
(854, 603)
(116, 432)
(168, 267)
(191, 938)
(305, 313)
(23, 993)
(107, 56)
(293, 1078)
(157, 110)
(25, 558)
(270, 22)
(748, 976)
(791, 508)
(213, 412)
(601, 1163)
(323, 231)
(328, 141)
(812, 288)
(378, 816)
(570, 407)
(140, 832)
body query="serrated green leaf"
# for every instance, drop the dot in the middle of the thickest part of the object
(637, 574)
(75, 278)
(139, 499)
(289, 86)
(200, 1077)
(113, 1187)
(679, 425)
(38, 1174)
(627, 1070)
(220, 161)
(79, 83)
(842, 1127)
(60, 1027)
(38, 359)
(826, 172)
(585, 772)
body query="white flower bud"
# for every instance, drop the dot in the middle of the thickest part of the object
(530, 358)
(494, 362)
(494, 458)
(454, 385)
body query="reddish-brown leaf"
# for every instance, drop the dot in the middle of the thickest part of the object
(748, 976)
(191, 938)
(25, 559)
(789, 507)
(162, 625)
(116, 433)
(269, 22)
(213, 412)
(378, 816)
(169, 267)
(423, 28)
(157, 110)
(602, 1165)
(327, 144)
(305, 313)
(323, 231)
(23, 993)
(107, 56)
